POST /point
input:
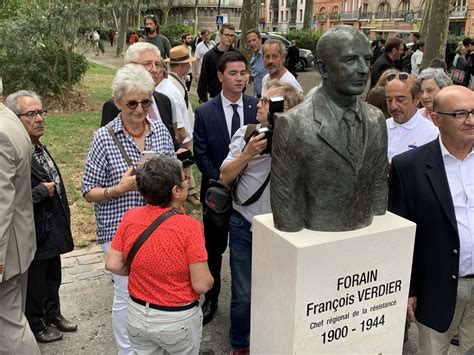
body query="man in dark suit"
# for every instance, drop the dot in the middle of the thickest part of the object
(52, 223)
(433, 186)
(147, 55)
(329, 160)
(215, 123)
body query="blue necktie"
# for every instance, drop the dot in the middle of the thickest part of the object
(235, 120)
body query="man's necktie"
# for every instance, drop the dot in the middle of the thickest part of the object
(352, 133)
(235, 120)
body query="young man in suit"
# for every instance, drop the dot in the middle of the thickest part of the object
(215, 123)
(433, 186)
(17, 235)
(52, 223)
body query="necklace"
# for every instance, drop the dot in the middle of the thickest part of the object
(139, 135)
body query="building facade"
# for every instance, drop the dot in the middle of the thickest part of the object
(389, 16)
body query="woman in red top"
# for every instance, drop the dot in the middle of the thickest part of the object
(169, 271)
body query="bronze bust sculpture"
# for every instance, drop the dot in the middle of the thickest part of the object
(329, 163)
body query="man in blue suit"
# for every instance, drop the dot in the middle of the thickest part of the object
(215, 123)
(433, 186)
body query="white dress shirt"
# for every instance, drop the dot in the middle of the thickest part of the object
(461, 184)
(414, 133)
(229, 111)
(287, 78)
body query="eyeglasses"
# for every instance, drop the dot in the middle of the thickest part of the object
(228, 34)
(133, 104)
(149, 16)
(32, 114)
(263, 101)
(403, 76)
(460, 115)
(148, 65)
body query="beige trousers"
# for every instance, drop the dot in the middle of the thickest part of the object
(15, 333)
(432, 342)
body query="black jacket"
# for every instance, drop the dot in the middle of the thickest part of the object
(110, 111)
(381, 64)
(208, 80)
(52, 215)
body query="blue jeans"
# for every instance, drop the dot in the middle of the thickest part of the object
(240, 243)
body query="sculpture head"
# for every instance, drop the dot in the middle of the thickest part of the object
(343, 61)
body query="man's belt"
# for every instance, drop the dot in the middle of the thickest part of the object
(165, 308)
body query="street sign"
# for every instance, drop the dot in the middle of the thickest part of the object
(186, 21)
(219, 20)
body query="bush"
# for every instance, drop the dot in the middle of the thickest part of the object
(174, 32)
(307, 39)
(36, 60)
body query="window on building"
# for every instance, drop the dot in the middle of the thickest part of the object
(383, 11)
(286, 16)
(281, 16)
(301, 15)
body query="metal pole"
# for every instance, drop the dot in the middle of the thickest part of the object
(218, 13)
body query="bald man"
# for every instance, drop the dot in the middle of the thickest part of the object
(433, 186)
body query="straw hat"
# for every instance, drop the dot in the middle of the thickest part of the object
(179, 55)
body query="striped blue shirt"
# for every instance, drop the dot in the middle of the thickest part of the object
(105, 166)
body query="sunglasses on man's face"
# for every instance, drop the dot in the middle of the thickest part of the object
(133, 104)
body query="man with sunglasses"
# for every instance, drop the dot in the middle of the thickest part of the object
(433, 186)
(407, 128)
(154, 36)
(52, 224)
(208, 81)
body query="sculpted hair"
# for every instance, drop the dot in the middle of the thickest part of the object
(289, 93)
(132, 78)
(326, 44)
(11, 101)
(275, 41)
(392, 43)
(229, 26)
(228, 57)
(136, 49)
(156, 179)
(436, 74)
(254, 30)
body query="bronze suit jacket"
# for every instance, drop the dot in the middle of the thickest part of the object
(315, 184)
(17, 228)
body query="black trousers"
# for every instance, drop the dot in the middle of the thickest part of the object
(42, 294)
(216, 244)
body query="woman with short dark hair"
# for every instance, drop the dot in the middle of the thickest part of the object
(169, 271)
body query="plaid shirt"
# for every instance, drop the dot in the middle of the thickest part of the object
(105, 166)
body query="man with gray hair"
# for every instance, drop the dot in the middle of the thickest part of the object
(147, 55)
(274, 58)
(52, 224)
(17, 235)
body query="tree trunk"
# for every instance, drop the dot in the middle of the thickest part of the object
(114, 15)
(122, 32)
(437, 32)
(308, 14)
(196, 21)
(248, 20)
(69, 65)
(425, 20)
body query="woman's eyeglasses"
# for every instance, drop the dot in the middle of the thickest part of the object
(133, 104)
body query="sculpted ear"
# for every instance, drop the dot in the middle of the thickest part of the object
(321, 67)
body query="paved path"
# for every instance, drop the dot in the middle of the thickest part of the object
(87, 291)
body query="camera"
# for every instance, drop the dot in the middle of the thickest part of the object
(275, 105)
(142, 31)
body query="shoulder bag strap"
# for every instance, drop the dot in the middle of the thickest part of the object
(120, 147)
(186, 96)
(146, 233)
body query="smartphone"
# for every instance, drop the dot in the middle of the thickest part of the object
(147, 155)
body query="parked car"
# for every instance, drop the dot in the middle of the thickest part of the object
(306, 58)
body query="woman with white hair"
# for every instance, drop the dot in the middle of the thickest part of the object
(109, 176)
(431, 81)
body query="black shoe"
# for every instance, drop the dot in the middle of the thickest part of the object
(208, 310)
(48, 335)
(62, 324)
(455, 340)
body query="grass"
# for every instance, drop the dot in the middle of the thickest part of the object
(68, 138)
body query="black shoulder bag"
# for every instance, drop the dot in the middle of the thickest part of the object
(146, 233)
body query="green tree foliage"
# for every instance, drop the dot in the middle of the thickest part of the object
(33, 55)
(305, 38)
(174, 32)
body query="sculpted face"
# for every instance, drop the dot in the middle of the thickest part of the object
(345, 66)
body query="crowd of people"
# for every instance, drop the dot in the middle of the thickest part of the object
(138, 175)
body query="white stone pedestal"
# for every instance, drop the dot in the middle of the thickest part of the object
(330, 292)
